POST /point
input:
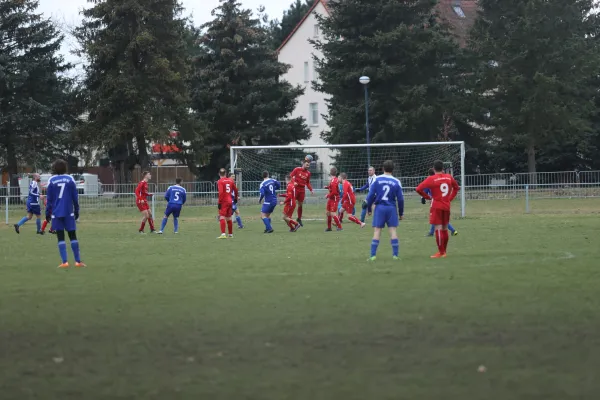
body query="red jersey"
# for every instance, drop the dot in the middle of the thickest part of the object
(226, 188)
(290, 195)
(302, 177)
(444, 189)
(349, 197)
(334, 189)
(141, 191)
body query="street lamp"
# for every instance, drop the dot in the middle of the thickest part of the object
(364, 80)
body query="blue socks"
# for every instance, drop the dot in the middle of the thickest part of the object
(374, 245)
(395, 247)
(62, 249)
(238, 219)
(38, 224)
(176, 224)
(363, 215)
(267, 222)
(431, 230)
(22, 221)
(163, 224)
(75, 248)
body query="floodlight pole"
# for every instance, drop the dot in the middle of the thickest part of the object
(364, 80)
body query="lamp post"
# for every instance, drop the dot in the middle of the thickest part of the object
(364, 80)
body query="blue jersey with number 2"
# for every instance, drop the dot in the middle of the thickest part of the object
(386, 193)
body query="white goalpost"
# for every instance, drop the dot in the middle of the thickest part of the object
(412, 162)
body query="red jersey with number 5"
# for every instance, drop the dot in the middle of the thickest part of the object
(444, 189)
(226, 187)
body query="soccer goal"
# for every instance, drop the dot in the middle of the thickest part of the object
(412, 162)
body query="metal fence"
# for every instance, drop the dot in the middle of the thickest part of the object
(502, 186)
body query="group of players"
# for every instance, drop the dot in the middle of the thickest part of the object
(385, 201)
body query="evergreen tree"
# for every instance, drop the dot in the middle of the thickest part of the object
(291, 17)
(136, 78)
(237, 90)
(535, 59)
(33, 89)
(404, 51)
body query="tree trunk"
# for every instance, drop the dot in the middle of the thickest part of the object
(143, 157)
(531, 167)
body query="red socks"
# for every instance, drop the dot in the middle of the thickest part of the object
(441, 238)
(230, 227)
(337, 222)
(329, 222)
(354, 219)
(222, 222)
(151, 223)
(299, 212)
(142, 226)
(44, 225)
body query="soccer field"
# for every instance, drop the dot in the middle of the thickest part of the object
(303, 315)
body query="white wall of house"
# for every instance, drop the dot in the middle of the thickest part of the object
(298, 53)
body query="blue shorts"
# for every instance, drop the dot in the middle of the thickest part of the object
(174, 209)
(385, 215)
(34, 209)
(64, 223)
(268, 208)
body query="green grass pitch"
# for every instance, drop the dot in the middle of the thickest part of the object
(304, 316)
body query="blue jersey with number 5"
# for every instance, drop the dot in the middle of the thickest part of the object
(63, 198)
(386, 191)
(175, 195)
(268, 191)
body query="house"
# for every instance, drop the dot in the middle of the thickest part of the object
(297, 52)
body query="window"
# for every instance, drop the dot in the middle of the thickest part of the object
(306, 72)
(313, 116)
(315, 73)
(316, 31)
(459, 11)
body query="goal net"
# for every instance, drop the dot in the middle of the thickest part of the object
(412, 162)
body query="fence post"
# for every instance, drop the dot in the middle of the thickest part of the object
(6, 204)
(153, 208)
(527, 199)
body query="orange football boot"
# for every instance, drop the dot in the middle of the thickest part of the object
(64, 265)
(80, 265)
(439, 255)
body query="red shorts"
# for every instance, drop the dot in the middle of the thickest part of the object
(439, 217)
(288, 211)
(332, 205)
(300, 193)
(142, 205)
(226, 210)
(348, 207)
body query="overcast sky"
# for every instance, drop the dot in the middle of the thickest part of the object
(66, 13)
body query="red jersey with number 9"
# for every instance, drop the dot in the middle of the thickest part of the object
(226, 187)
(444, 189)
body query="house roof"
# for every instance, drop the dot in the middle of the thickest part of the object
(460, 26)
(312, 8)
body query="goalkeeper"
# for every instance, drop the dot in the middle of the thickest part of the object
(366, 188)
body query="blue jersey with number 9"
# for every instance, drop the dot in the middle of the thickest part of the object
(268, 191)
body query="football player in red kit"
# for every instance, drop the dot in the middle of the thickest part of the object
(349, 200)
(289, 204)
(227, 188)
(444, 189)
(141, 199)
(333, 197)
(301, 179)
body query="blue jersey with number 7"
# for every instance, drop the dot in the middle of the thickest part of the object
(175, 195)
(386, 191)
(63, 198)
